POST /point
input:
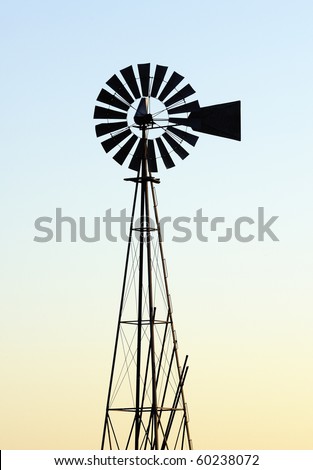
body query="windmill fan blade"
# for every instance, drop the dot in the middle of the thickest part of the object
(180, 95)
(137, 157)
(222, 120)
(130, 79)
(159, 75)
(185, 108)
(190, 138)
(174, 80)
(105, 113)
(144, 75)
(176, 146)
(109, 144)
(116, 85)
(106, 128)
(168, 162)
(108, 98)
(151, 157)
(123, 153)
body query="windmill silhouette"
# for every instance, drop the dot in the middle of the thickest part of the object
(147, 119)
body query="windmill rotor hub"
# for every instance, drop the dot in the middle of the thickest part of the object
(142, 116)
(153, 117)
(143, 120)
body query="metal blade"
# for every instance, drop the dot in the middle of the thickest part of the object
(159, 75)
(130, 79)
(105, 113)
(116, 85)
(152, 163)
(190, 138)
(108, 98)
(144, 74)
(123, 153)
(185, 108)
(222, 120)
(168, 162)
(176, 146)
(180, 95)
(109, 144)
(138, 156)
(106, 128)
(174, 80)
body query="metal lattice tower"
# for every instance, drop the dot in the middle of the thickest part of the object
(146, 407)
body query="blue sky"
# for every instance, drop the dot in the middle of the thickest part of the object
(252, 300)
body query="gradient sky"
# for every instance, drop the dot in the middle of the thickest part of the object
(243, 311)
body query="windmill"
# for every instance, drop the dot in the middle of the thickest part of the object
(146, 119)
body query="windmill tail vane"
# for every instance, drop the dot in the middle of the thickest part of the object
(147, 119)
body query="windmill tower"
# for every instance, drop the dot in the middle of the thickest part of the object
(145, 119)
